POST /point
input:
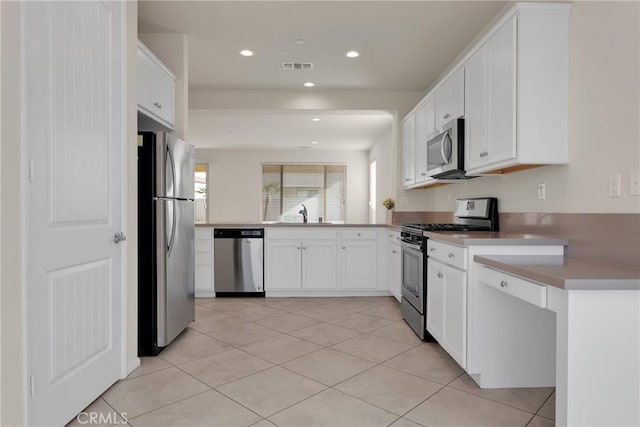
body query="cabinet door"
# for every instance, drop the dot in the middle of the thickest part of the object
(421, 141)
(435, 299)
(442, 106)
(408, 150)
(476, 109)
(146, 82)
(501, 73)
(283, 264)
(165, 96)
(454, 339)
(204, 278)
(358, 265)
(456, 94)
(319, 264)
(394, 257)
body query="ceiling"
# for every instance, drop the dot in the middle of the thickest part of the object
(402, 45)
(336, 130)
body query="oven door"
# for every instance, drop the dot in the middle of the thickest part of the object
(413, 275)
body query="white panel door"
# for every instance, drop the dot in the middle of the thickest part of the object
(421, 140)
(476, 131)
(319, 264)
(283, 269)
(409, 150)
(74, 135)
(394, 257)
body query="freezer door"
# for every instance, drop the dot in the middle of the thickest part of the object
(176, 293)
(180, 168)
(174, 167)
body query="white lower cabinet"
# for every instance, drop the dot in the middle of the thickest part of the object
(447, 300)
(204, 262)
(319, 264)
(357, 271)
(325, 261)
(394, 257)
(283, 264)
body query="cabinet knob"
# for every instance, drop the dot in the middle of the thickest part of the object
(344, 247)
(407, 179)
(446, 116)
(304, 247)
(440, 275)
(450, 254)
(359, 234)
(394, 251)
(423, 174)
(160, 106)
(298, 247)
(432, 249)
(504, 284)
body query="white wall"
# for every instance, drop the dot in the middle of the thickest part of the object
(604, 126)
(384, 153)
(235, 184)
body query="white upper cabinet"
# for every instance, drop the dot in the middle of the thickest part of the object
(491, 100)
(409, 150)
(516, 92)
(425, 127)
(512, 89)
(156, 88)
(449, 99)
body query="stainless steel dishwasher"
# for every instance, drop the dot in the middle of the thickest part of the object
(238, 265)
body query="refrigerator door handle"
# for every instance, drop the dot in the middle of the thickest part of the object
(161, 272)
(171, 222)
(170, 171)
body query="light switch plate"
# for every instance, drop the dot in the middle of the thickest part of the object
(634, 183)
(614, 185)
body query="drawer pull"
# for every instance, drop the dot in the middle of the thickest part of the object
(504, 284)
(394, 251)
(450, 254)
(440, 275)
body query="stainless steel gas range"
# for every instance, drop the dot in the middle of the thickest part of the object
(478, 214)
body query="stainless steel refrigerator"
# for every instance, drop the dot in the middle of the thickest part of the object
(166, 251)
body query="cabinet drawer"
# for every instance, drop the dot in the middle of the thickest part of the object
(452, 255)
(204, 246)
(366, 234)
(514, 286)
(204, 233)
(393, 236)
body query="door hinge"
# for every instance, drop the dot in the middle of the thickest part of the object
(32, 386)
(31, 171)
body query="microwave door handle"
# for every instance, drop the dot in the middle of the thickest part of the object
(444, 155)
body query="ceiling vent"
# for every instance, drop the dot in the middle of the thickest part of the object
(297, 66)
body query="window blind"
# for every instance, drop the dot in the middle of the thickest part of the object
(321, 188)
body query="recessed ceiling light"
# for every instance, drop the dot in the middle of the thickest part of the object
(352, 54)
(246, 52)
(315, 119)
(309, 84)
(314, 142)
(299, 41)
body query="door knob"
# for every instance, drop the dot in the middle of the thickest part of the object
(119, 237)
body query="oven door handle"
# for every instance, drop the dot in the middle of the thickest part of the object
(411, 246)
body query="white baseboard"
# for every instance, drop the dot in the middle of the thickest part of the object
(331, 293)
(205, 294)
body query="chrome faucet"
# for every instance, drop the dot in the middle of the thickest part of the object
(303, 212)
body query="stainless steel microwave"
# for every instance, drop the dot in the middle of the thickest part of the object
(445, 152)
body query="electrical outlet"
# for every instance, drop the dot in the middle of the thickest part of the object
(542, 191)
(614, 185)
(634, 183)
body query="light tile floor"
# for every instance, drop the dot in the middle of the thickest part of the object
(335, 362)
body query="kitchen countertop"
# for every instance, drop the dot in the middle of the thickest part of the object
(566, 272)
(469, 238)
(294, 224)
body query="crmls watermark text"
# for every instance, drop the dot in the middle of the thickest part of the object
(109, 418)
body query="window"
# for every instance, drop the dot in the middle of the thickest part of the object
(321, 188)
(200, 192)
